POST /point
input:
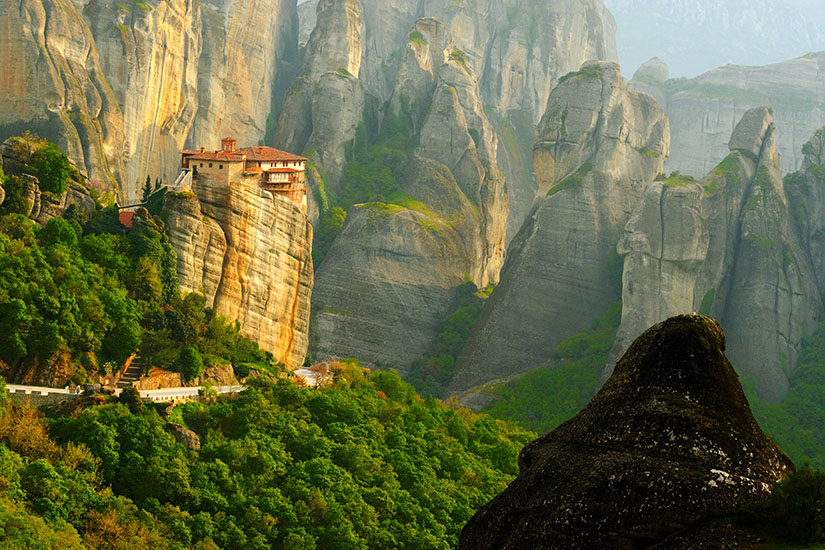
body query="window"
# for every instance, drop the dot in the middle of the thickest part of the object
(201, 165)
(220, 167)
(210, 165)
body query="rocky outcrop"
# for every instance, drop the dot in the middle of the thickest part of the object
(306, 21)
(325, 104)
(41, 206)
(183, 435)
(666, 447)
(806, 196)
(216, 375)
(730, 248)
(385, 285)
(664, 246)
(149, 54)
(52, 83)
(768, 299)
(704, 110)
(599, 145)
(249, 252)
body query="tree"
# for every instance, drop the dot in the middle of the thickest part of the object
(130, 396)
(190, 363)
(52, 169)
(147, 189)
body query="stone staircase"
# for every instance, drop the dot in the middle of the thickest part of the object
(131, 374)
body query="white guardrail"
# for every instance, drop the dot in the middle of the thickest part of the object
(166, 394)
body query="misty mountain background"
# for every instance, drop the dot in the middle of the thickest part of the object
(694, 36)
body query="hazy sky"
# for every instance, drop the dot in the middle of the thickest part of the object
(694, 36)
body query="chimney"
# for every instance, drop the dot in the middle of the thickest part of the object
(228, 144)
(203, 148)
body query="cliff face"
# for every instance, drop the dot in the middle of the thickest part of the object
(247, 47)
(671, 445)
(600, 144)
(249, 252)
(168, 73)
(461, 76)
(450, 225)
(150, 58)
(728, 247)
(703, 111)
(52, 83)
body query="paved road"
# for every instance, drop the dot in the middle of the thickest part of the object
(166, 394)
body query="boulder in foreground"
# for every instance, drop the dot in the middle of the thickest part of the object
(668, 445)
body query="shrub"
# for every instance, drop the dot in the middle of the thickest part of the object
(130, 396)
(797, 506)
(190, 363)
(52, 169)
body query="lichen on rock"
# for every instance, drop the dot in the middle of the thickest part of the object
(668, 444)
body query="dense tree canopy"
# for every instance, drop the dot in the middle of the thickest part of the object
(365, 463)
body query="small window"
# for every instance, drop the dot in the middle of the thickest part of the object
(220, 167)
(201, 165)
(210, 165)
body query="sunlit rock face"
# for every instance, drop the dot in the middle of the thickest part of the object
(249, 253)
(667, 446)
(52, 83)
(150, 58)
(470, 80)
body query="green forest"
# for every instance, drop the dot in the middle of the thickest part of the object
(363, 464)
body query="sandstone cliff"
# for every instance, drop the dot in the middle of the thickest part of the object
(703, 111)
(52, 83)
(168, 73)
(467, 79)
(149, 54)
(600, 144)
(247, 48)
(730, 248)
(664, 449)
(384, 307)
(249, 253)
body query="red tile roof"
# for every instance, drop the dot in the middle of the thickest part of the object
(126, 219)
(218, 155)
(268, 154)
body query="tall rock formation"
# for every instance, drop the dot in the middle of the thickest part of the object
(600, 144)
(466, 79)
(169, 72)
(666, 448)
(730, 248)
(249, 253)
(806, 196)
(149, 54)
(392, 271)
(703, 111)
(52, 83)
(664, 247)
